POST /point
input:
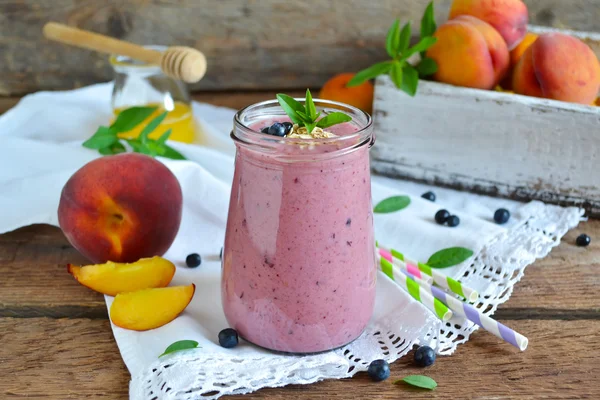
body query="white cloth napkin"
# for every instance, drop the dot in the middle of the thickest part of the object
(42, 138)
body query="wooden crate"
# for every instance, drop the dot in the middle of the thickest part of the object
(494, 143)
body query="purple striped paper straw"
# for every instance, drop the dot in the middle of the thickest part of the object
(474, 315)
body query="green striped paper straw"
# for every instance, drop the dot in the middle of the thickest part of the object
(413, 288)
(439, 278)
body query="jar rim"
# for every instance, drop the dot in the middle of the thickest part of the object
(246, 135)
(127, 64)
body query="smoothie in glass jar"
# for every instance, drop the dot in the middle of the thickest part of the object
(299, 259)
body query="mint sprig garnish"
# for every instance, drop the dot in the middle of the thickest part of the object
(106, 139)
(306, 115)
(397, 44)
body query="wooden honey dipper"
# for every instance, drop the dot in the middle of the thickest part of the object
(179, 62)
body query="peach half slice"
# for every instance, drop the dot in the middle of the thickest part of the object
(113, 278)
(150, 308)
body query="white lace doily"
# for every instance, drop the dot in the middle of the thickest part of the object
(197, 374)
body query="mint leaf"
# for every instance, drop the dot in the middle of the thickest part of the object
(404, 40)
(392, 39)
(152, 125)
(428, 25)
(103, 138)
(427, 66)
(131, 117)
(333, 119)
(136, 145)
(370, 73)
(410, 79)
(171, 153)
(164, 137)
(449, 257)
(309, 105)
(422, 46)
(392, 204)
(310, 126)
(396, 74)
(291, 107)
(420, 381)
(180, 345)
(114, 148)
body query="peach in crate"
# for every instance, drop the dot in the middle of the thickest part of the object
(121, 208)
(113, 278)
(150, 308)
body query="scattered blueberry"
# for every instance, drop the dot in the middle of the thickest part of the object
(193, 260)
(442, 216)
(453, 221)
(288, 127)
(265, 130)
(228, 338)
(583, 240)
(379, 370)
(501, 216)
(424, 356)
(277, 129)
(221, 254)
(428, 196)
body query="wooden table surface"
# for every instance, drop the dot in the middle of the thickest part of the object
(56, 342)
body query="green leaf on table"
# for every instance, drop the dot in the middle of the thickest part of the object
(449, 257)
(180, 345)
(114, 148)
(392, 39)
(428, 25)
(370, 73)
(291, 106)
(152, 125)
(103, 138)
(404, 40)
(333, 119)
(392, 204)
(396, 74)
(420, 381)
(422, 46)
(131, 117)
(427, 66)
(410, 79)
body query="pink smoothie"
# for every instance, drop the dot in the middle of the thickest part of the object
(299, 259)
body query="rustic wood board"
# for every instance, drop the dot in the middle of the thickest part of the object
(249, 44)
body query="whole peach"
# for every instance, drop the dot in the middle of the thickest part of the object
(509, 17)
(121, 208)
(360, 96)
(469, 52)
(560, 67)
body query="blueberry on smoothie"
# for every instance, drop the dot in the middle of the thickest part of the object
(379, 370)
(442, 216)
(265, 130)
(288, 127)
(583, 240)
(428, 196)
(193, 260)
(453, 221)
(424, 356)
(228, 338)
(277, 129)
(501, 216)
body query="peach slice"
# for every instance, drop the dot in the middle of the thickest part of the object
(113, 278)
(150, 308)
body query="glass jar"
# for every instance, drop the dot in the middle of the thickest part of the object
(299, 265)
(140, 84)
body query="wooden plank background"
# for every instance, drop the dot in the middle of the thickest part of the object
(250, 44)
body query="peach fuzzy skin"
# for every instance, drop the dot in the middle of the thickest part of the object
(360, 96)
(560, 67)
(150, 308)
(470, 53)
(121, 208)
(508, 17)
(113, 278)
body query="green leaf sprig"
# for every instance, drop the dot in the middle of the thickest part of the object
(107, 141)
(306, 115)
(420, 381)
(180, 345)
(449, 257)
(397, 44)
